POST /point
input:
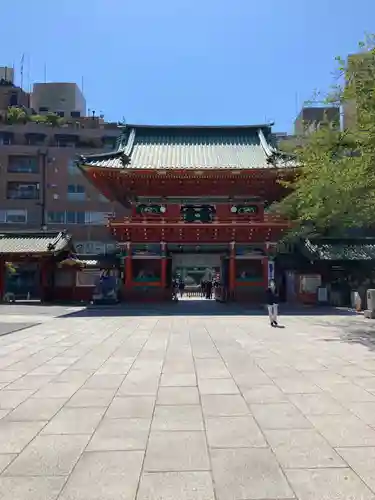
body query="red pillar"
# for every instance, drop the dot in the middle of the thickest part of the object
(232, 270)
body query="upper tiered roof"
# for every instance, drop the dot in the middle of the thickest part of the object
(188, 147)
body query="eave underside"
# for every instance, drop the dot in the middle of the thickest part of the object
(126, 186)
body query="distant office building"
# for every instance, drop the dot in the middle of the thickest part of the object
(10, 95)
(7, 74)
(361, 66)
(312, 118)
(65, 99)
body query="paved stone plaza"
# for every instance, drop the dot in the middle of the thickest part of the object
(171, 406)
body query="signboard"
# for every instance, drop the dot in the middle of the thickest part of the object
(245, 209)
(198, 213)
(150, 209)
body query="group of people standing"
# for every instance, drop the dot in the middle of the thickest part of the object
(207, 288)
(272, 296)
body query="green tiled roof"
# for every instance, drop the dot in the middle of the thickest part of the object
(353, 250)
(33, 242)
(183, 147)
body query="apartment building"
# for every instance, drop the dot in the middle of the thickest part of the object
(65, 99)
(311, 118)
(41, 186)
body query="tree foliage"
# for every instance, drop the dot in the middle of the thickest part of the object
(334, 187)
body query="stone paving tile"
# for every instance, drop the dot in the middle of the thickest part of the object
(250, 380)
(120, 434)
(328, 484)
(147, 387)
(75, 376)
(178, 380)
(104, 381)
(110, 475)
(4, 413)
(217, 386)
(279, 416)
(317, 404)
(178, 418)
(5, 460)
(224, 405)
(36, 409)
(350, 392)
(131, 407)
(344, 430)
(48, 456)
(264, 394)
(177, 396)
(9, 376)
(302, 448)
(75, 421)
(11, 399)
(367, 383)
(362, 461)
(176, 451)
(176, 485)
(179, 365)
(365, 411)
(14, 436)
(234, 432)
(297, 385)
(59, 390)
(248, 473)
(30, 382)
(30, 488)
(85, 398)
(211, 368)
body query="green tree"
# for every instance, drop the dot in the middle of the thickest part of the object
(54, 120)
(334, 186)
(16, 115)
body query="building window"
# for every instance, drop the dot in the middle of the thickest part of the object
(72, 167)
(94, 247)
(23, 164)
(23, 191)
(5, 140)
(96, 218)
(75, 217)
(13, 216)
(56, 217)
(67, 217)
(76, 192)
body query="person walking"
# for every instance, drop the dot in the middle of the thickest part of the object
(181, 287)
(272, 299)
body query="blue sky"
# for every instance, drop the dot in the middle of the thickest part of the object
(186, 61)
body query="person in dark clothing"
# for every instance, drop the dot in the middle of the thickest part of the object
(208, 289)
(272, 299)
(181, 287)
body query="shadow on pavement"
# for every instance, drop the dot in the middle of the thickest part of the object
(198, 308)
(7, 328)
